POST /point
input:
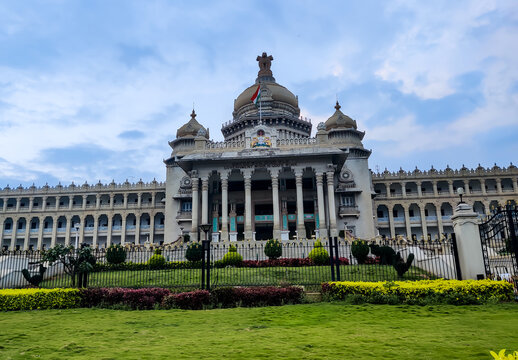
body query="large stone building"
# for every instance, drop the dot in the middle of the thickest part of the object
(268, 178)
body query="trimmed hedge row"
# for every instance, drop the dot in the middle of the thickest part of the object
(31, 299)
(173, 265)
(441, 291)
(148, 298)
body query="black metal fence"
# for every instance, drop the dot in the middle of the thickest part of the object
(500, 244)
(238, 264)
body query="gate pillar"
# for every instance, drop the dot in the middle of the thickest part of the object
(465, 225)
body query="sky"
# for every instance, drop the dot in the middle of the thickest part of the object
(94, 90)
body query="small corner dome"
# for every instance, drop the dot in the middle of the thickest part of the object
(340, 120)
(191, 128)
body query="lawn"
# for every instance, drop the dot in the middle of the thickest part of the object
(309, 275)
(311, 331)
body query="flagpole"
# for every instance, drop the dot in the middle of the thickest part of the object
(260, 108)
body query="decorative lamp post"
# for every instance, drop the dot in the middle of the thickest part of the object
(460, 192)
(76, 227)
(205, 228)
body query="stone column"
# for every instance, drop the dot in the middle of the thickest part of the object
(515, 185)
(84, 202)
(96, 229)
(27, 234)
(18, 202)
(205, 200)
(450, 188)
(466, 187)
(82, 230)
(248, 206)
(68, 230)
(39, 245)
(137, 229)
(123, 230)
(112, 196)
(70, 203)
(322, 230)
(301, 229)
(403, 189)
(1, 234)
(423, 223)
(440, 227)
(13, 234)
(465, 225)
(31, 203)
(152, 228)
(194, 212)
(483, 186)
(435, 191)
(153, 197)
(407, 223)
(391, 222)
(387, 187)
(98, 201)
(498, 185)
(224, 206)
(419, 190)
(4, 209)
(275, 201)
(54, 231)
(331, 202)
(125, 204)
(139, 200)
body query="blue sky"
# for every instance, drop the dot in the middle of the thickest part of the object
(94, 90)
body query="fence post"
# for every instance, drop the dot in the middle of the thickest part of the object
(337, 260)
(203, 265)
(208, 265)
(456, 256)
(512, 233)
(331, 259)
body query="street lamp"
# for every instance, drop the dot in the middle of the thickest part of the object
(76, 226)
(205, 228)
(460, 192)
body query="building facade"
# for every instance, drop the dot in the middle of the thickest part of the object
(268, 179)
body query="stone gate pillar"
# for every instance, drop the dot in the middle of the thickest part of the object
(465, 225)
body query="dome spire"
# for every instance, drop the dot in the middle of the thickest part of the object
(337, 106)
(265, 74)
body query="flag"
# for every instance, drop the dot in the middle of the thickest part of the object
(257, 95)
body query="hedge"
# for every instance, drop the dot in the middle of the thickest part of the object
(173, 265)
(449, 291)
(141, 299)
(31, 299)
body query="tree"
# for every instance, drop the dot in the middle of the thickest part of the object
(76, 262)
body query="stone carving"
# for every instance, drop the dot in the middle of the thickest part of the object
(186, 182)
(265, 62)
(202, 132)
(261, 140)
(321, 126)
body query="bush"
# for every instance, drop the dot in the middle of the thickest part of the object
(194, 252)
(258, 296)
(115, 254)
(30, 299)
(232, 258)
(156, 261)
(141, 299)
(273, 249)
(434, 291)
(360, 250)
(193, 300)
(386, 253)
(319, 255)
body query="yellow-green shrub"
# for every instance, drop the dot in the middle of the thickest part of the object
(480, 290)
(30, 299)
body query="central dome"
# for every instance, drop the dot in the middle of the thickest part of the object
(278, 93)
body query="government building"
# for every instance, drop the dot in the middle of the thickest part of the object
(267, 179)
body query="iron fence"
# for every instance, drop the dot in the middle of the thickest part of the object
(248, 265)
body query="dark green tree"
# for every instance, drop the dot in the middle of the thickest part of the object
(77, 263)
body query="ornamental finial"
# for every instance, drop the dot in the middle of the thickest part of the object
(265, 62)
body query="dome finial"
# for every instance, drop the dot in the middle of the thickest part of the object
(337, 106)
(265, 62)
(193, 114)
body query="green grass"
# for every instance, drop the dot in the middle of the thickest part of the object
(312, 331)
(310, 275)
